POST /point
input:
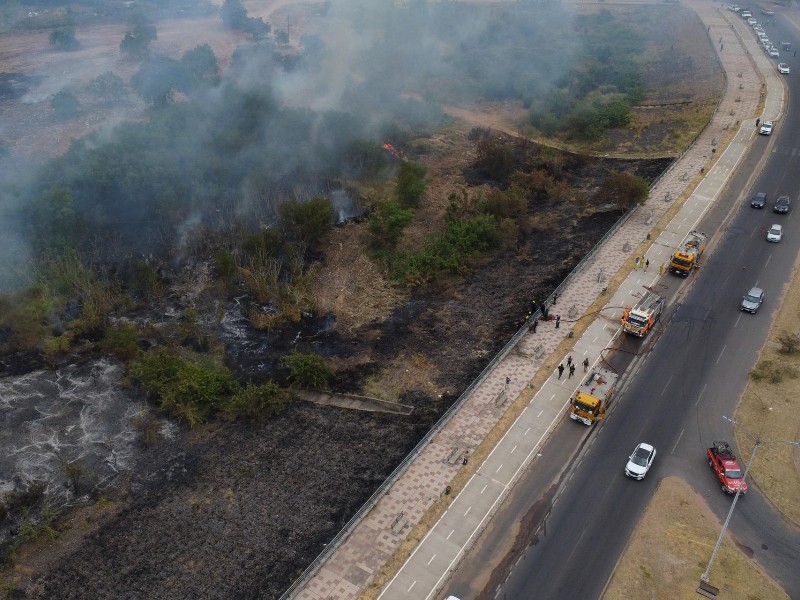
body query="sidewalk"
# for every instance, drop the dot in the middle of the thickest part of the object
(352, 567)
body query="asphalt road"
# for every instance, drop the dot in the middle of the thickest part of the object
(572, 513)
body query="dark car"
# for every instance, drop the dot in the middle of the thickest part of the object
(759, 200)
(781, 205)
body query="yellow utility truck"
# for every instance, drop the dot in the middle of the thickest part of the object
(591, 400)
(685, 258)
(639, 319)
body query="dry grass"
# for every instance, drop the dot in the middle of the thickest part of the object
(670, 549)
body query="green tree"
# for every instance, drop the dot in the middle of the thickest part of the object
(65, 104)
(136, 42)
(411, 183)
(64, 38)
(308, 371)
(158, 77)
(366, 158)
(386, 224)
(310, 220)
(234, 15)
(623, 190)
(200, 63)
(109, 88)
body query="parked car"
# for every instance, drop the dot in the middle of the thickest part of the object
(752, 300)
(766, 128)
(759, 200)
(773, 52)
(775, 233)
(640, 461)
(781, 205)
(783, 68)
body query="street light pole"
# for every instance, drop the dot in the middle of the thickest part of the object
(705, 575)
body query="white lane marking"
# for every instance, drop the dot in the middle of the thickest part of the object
(667, 384)
(431, 560)
(769, 258)
(528, 429)
(540, 413)
(721, 352)
(513, 450)
(676, 441)
(411, 586)
(498, 468)
(739, 319)
(484, 488)
(469, 509)
(452, 531)
(701, 394)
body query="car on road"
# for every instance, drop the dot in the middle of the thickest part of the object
(759, 200)
(640, 461)
(775, 233)
(766, 128)
(773, 52)
(783, 68)
(781, 205)
(724, 464)
(752, 300)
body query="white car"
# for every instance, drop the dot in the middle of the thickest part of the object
(783, 68)
(775, 233)
(773, 52)
(766, 128)
(640, 461)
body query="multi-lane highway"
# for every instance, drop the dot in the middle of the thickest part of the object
(675, 397)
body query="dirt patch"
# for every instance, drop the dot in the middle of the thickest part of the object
(670, 549)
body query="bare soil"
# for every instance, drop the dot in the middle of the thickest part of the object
(238, 509)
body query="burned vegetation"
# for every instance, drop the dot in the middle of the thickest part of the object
(240, 243)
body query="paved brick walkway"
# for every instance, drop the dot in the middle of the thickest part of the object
(352, 566)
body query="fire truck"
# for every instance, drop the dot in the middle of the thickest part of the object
(685, 258)
(639, 319)
(592, 398)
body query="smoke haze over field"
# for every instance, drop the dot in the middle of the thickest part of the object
(277, 122)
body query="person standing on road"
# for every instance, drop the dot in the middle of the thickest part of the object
(646, 265)
(571, 371)
(569, 360)
(560, 370)
(558, 321)
(585, 364)
(757, 122)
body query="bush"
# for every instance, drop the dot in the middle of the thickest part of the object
(448, 251)
(386, 224)
(259, 401)
(623, 190)
(122, 341)
(185, 389)
(411, 184)
(310, 220)
(308, 371)
(65, 104)
(790, 342)
(64, 38)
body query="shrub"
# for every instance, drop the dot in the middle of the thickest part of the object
(308, 371)
(623, 189)
(310, 220)
(386, 224)
(790, 342)
(184, 388)
(259, 401)
(411, 184)
(121, 340)
(65, 105)
(64, 38)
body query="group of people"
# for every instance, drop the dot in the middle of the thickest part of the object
(571, 367)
